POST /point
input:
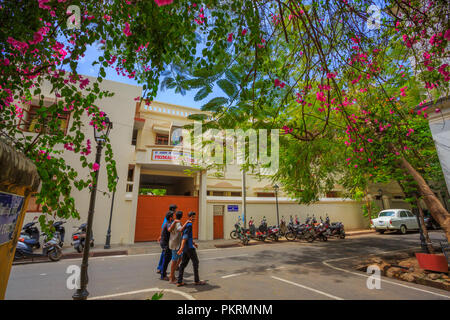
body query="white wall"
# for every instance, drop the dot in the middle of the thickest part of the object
(349, 212)
(120, 109)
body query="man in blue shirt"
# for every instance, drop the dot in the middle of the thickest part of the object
(189, 253)
(172, 208)
(164, 242)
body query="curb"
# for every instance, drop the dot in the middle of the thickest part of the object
(72, 256)
(358, 233)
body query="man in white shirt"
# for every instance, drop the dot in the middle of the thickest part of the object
(176, 231)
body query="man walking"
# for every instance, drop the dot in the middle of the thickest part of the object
(164, 242)
(188, 249)
(172, 208)
(176, 230)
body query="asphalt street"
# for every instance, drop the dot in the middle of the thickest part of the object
(287, 271)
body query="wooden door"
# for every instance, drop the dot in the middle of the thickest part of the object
(218, 221)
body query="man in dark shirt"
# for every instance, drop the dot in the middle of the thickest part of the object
(164, 242)
(188, 249)
(172, 208)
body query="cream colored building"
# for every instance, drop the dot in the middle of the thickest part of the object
(142, 140)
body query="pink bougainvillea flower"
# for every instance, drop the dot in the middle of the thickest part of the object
(331, 75)
(244, 32)
(320, 96)
(230, 37)
(437, 110)
(369, 140)
(287, 130)
(126, 30)
(95, 166)
(164, 2)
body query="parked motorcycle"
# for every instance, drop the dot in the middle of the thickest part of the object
(240, 233)
(300, 231)
(79, 238)
(335, 229)
(320, 229)
(50, 248)
(256, 233)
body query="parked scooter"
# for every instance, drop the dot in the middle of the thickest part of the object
(79, 237)
(60, 232)
(335, 229)
(50, 248)
(29, 231)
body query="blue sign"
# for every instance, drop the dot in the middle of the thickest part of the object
(233, 208)
(10, 208)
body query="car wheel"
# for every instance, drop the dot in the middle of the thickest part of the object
(381, 231)
(402, 229)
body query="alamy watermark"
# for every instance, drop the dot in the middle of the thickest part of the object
(73, 280)
(374, 21)
(229, 146)
(74, 21)
(374, 280)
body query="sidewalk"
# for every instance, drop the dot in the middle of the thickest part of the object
(154, 248)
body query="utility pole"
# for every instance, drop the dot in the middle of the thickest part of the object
(244, 199)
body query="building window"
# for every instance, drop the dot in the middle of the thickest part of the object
(265, 194)
(162, 139)
(30, 121)
(130, 178)
(134, 138)
(218, 210)
(236, 194)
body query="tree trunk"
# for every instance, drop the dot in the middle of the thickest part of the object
(424, 229)
(436, 208)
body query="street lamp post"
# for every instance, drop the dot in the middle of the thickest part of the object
(108, 233)
(100, 135)
(276, 187)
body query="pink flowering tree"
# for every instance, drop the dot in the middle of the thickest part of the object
(42, 43)
(352, 99)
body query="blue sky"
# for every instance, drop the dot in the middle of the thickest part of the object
(85, 67)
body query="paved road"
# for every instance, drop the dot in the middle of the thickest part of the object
(288, 271)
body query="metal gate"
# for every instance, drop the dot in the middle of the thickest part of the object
(151, 211)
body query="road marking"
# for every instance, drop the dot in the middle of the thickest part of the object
(308, 288)
(184, 294)
(232, 275)
(239, 255)
(383, 280)
(43, 274)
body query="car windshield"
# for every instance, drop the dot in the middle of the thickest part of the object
(387, 214)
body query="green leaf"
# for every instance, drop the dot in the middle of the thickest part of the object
(228, 87)
(203, 93)
(214, 103)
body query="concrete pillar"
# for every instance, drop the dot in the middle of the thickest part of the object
(134, 202)
(204, 222)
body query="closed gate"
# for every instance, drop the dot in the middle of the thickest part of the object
(151, 211)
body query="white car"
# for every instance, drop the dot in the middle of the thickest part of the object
(401, 220)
